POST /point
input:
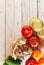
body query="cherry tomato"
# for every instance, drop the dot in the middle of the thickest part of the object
(37, 54)
(27, 31)
(41, 61)
(33, 41)
(31, 61)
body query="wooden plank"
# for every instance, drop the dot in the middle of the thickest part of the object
(29, 10)
(10, 24)
(32, 9)
(25, 12)
(18, 19)
(2, 28)
(41, 9)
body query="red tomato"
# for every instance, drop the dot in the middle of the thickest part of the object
(34, 41)
(31, 61)
(27, 31)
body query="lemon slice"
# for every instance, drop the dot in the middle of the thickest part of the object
(36, 24)
(41, 33)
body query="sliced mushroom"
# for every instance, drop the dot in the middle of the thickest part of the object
(20, 49)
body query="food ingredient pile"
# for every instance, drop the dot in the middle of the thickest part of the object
(30, 45)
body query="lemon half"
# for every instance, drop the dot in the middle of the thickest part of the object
(41, 33)
(36, 24)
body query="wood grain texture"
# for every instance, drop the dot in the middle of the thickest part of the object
(10, 24)
(32, 8)
(29, 10)
(2, 28)
(18, 19)
(25, 12)
(41, 9)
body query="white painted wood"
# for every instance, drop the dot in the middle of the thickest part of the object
(32, 8)
(2, 28)
(29, 10)
(41, 9)
(10, 24)
(25, 12)
(18, 19)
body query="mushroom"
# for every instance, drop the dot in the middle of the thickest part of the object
(20, 49)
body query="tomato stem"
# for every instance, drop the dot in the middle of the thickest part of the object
(30, 64)
(33, 41)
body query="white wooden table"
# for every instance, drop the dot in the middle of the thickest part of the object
(13, 15)
(1, 62)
